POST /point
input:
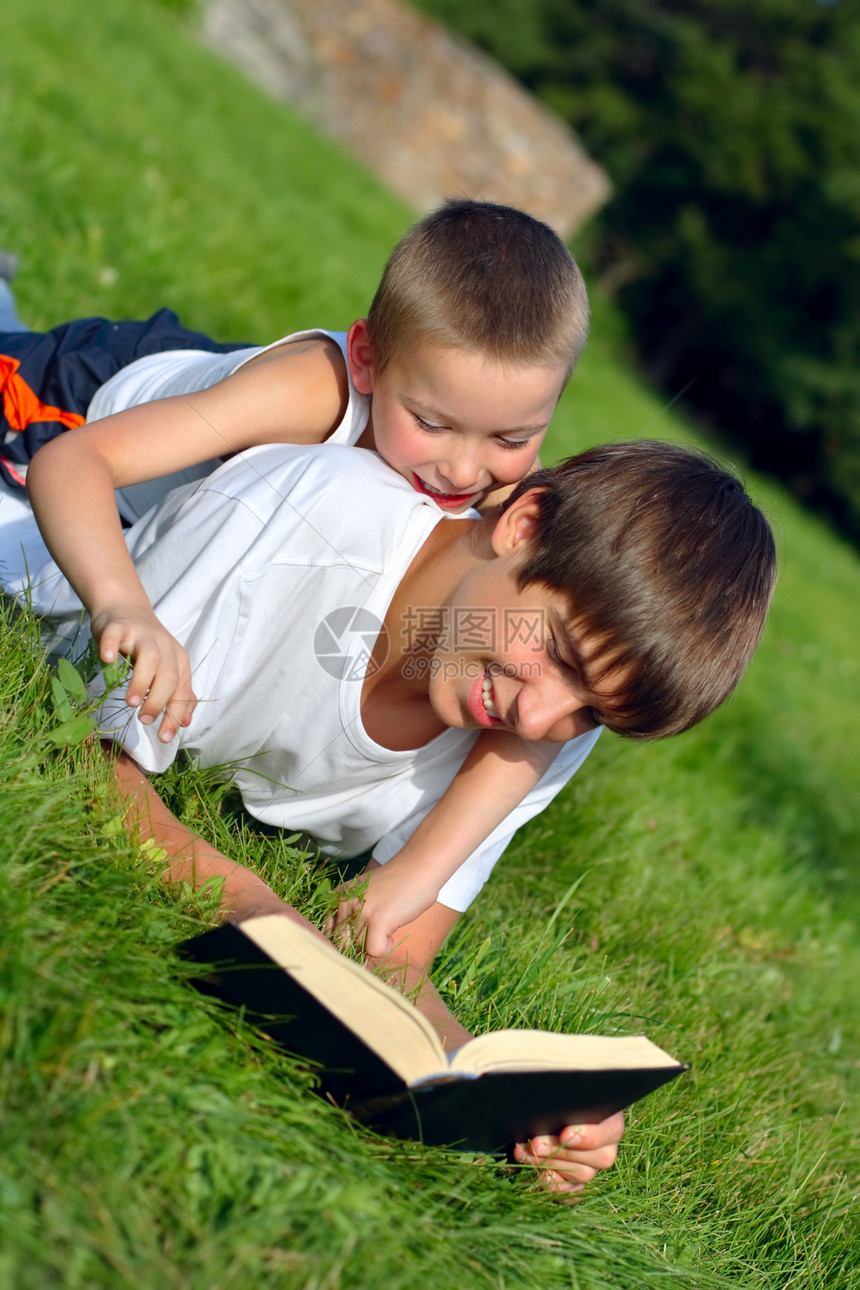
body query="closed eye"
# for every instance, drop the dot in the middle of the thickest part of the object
(512, 443)
(555, 655)
(588, 716)
(427, 425)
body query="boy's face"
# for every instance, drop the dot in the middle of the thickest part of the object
(455, 424)
(513, 659)
(517, 658)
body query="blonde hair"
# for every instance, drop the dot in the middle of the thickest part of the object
(491, 279)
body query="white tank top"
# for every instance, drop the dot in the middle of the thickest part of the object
(185, 371)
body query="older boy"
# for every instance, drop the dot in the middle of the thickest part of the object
(347, 655)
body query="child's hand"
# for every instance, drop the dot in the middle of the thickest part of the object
(373, 907)
(569, 1161)
(161, 676)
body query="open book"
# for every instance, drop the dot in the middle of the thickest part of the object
(380, 1058)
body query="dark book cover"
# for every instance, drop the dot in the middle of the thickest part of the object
(491, 1111)
(485, 1112)
(273, 1000)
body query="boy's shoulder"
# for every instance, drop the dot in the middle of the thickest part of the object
(348, 497)
(316, 343)
(321, 507)
(318, 475)
(297, 390)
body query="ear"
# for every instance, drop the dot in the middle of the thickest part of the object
(517, 525)
(359, 356)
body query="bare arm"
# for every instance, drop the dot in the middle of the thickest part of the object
(294, 394)
(408, 965)
(498, 773)
(565, 1163)
(190, 859)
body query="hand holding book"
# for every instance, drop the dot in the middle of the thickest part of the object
(381, 1059)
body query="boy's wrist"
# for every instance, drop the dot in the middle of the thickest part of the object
(252, 905)
(243, 894)
(119, 603)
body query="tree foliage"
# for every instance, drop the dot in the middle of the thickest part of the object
(732, 133)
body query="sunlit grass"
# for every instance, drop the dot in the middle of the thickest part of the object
(704, 890)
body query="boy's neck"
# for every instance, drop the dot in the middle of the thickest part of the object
(451, 551)
(366, 439)
(395, 705)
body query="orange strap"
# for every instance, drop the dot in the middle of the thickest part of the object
(21, 407)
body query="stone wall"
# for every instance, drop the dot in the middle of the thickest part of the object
(428, 113)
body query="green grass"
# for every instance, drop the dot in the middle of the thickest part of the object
(711, 881)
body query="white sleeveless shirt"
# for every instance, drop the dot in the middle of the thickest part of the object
(185, 371)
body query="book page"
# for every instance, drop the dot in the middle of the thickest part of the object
(378, 1013)
(405, 1040)
(525, 1050)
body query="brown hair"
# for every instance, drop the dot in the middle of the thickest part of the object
(487, 278)
(669, 568)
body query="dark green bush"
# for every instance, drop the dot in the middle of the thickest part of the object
(732, 134)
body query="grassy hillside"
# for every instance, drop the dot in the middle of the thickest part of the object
(704, 889)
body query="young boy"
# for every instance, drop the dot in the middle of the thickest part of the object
(478, 321)
(641, 572)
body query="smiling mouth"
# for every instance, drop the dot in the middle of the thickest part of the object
(487, 697)
(437, 494)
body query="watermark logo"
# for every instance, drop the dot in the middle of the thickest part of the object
(434, 640)
(472, 628)
(525, 627)
(345, 640)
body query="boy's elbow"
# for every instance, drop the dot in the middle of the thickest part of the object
(48, 462)
(34, 472)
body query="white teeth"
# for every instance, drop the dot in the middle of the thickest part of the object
(487, 696)
(440, 492)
